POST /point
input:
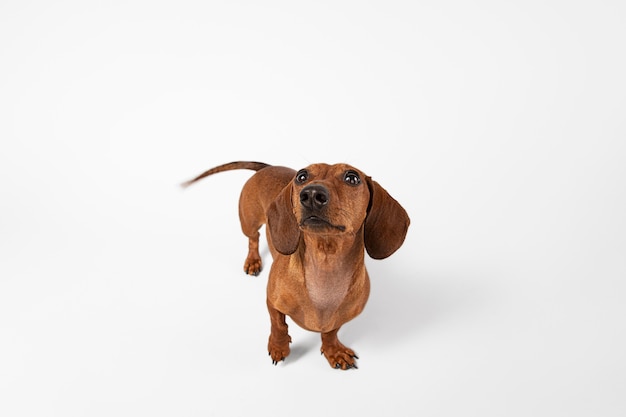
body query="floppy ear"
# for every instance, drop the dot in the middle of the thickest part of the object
(282, 224)
(386, 223)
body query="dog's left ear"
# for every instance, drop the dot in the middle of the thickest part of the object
(386, 223)
(282, 224)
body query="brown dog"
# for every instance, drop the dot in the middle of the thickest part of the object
(319, 221)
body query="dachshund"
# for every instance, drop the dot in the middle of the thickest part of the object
(319, 221)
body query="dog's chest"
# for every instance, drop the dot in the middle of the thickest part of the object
(327, 289)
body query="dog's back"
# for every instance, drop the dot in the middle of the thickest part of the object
(256, 196)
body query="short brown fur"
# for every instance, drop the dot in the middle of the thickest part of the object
(319, 222)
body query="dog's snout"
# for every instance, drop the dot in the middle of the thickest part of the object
(314, 196)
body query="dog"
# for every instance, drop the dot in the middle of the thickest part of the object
(319, 222)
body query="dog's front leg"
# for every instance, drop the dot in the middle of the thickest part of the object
(278, 345)
(338, 356)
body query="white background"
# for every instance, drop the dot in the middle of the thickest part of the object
(499, 126)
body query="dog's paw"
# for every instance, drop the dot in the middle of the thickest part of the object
(340, 357)
(278, 349)
(252, 266)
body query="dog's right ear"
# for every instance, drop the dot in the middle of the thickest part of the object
(282, 224)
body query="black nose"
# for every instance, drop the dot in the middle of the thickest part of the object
(314, 196)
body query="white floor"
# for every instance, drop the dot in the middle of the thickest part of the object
(500, 128)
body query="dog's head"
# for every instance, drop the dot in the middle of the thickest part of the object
(334, 200)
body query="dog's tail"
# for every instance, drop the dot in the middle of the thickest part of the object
(255, 166)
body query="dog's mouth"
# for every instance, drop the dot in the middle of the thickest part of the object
(318, 223)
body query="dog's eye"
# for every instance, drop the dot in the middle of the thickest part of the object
(302, 176)
(352, 178)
